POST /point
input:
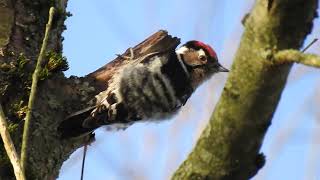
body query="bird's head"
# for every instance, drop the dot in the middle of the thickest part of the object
(201, 61)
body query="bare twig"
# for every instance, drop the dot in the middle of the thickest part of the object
(33, 92)
(87, 141)
(309, 45)
(9, 146)
(83, 159)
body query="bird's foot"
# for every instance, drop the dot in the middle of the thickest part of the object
(100, 109)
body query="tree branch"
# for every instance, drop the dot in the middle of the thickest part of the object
(47, 151)
(155, 43)
(9, 146)
(35, 78)
(291, 55)
(229, 146)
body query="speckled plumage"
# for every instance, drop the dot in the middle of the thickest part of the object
(152, 88)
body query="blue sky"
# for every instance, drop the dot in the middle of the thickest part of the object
(100, 29)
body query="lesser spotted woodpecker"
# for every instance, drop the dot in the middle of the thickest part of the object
(150, 88)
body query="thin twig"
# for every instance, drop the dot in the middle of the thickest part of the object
(9, 146)
(35, 78)
(309, 45)
(83, 159)
(87, 141)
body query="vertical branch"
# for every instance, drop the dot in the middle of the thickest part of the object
(10, 149)
(35, 78)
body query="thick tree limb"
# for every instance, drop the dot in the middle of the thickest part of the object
(291, 55)
(229, 146)
(9, 146)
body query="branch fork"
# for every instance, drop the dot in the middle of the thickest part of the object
(296, 56)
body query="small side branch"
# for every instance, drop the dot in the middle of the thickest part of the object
(35, 78)
(290, 56)
(9, 146)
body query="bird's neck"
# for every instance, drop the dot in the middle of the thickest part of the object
(180, 59)
(195, 75)
(179, 79)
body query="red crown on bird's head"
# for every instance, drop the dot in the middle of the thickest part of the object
(206, 47)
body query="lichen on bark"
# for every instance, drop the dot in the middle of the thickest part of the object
(229, 146)
(232, 139)
(57, 95)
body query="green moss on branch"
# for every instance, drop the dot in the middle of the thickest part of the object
(229, 146)
(296, 56)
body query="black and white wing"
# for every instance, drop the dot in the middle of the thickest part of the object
(136, 91)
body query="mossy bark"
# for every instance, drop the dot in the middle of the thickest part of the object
(22, 25)
(229, 146)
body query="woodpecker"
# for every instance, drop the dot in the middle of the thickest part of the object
(149, 88)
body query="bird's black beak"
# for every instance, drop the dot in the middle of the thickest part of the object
(222, 69)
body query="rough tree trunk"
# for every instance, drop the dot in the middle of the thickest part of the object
(22, 25)
(229, 146)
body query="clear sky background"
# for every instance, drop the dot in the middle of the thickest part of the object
(100, 29)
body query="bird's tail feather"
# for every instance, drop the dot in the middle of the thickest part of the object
(72, 126)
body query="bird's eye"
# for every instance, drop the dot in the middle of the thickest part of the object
(203, 58)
